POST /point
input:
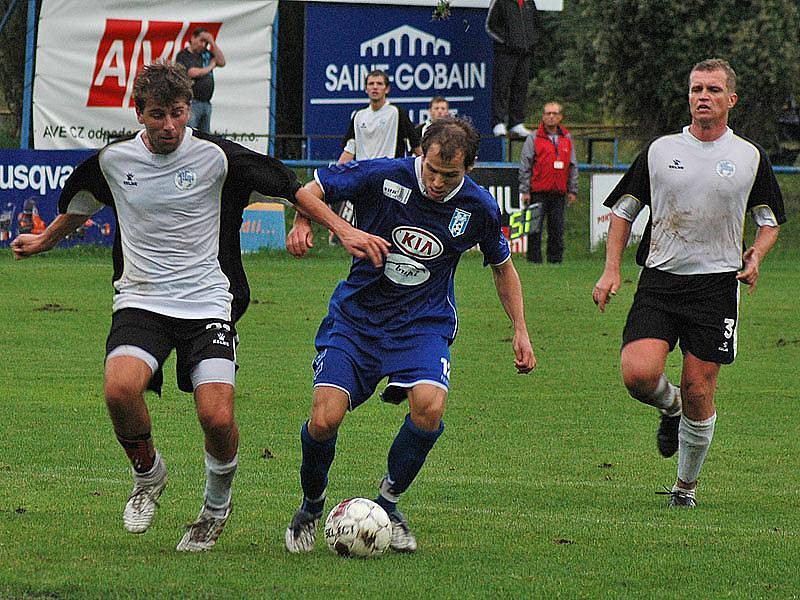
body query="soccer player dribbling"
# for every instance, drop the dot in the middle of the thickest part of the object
(398, 321)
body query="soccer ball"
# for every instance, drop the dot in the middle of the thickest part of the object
(358, 527)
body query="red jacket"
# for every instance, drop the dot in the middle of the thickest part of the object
(545, 177)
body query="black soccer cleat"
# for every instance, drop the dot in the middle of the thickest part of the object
(667, 435)
(679, 498)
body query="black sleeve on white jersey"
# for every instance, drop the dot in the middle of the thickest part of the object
(250, 171)
(407, 136)
(351, 131)
(635, 182)
(765, 190)
(87, 178)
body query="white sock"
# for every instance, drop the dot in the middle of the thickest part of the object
(666, 397)
(694, 438)
(154, 473)
(219, 478)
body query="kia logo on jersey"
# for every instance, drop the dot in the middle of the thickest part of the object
(417, 242)
(129, 44)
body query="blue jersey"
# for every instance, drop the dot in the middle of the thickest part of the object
(413, 292)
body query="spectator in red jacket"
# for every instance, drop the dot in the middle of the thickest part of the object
(548, 175)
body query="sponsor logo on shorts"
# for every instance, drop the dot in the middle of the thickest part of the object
(417, 242)
(458, 224)
(395, 191)
(220, 340)
(726, 168)
(185, 179)
(404, 270)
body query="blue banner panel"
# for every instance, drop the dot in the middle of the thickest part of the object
(423, 58)
(30, 184)
(263, 226)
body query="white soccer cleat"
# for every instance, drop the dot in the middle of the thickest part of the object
(143, 501)
(301, 534)
(402, 538)
(204, 532)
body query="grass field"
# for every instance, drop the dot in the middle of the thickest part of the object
(542, 486)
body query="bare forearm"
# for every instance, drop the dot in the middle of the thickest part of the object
(619, 231)
(60, 228)
(766, 237)
(509, 291)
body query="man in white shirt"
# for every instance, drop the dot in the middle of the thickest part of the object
(178, 196)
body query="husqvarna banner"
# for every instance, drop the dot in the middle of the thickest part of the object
(423, 58)
(30, 184)
(89, 53)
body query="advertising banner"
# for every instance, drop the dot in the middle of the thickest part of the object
(601, 186)
(422, 57)
(503, 185)
(90, 52)
(30, 184)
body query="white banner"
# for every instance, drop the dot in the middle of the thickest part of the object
(89, 53)
(601, 185)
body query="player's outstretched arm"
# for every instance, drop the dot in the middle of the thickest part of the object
(766, 236)
(509, 290)
(606, 287)
(28, 244)
(359, 244)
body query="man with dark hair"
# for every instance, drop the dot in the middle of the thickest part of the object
(200, 58)
(178, 197)
(438, 107)
(398, 321)
(699, 184)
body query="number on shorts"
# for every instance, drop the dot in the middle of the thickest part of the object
(729, 325)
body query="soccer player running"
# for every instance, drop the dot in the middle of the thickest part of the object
(698, 184)
(399, 321)
(179, 283)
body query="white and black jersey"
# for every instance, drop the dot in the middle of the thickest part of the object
(698, 194)
(176, 250)
(383, 133)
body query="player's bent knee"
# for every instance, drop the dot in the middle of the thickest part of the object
(640, 383)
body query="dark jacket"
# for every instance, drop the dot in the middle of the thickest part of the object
(512, 27)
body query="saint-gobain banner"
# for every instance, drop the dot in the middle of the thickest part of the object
(30, 184)
(423, 58)
(89, 53)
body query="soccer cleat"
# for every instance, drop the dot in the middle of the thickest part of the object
(204, 532)
(667, 435)
(143, 501)
(402, 538)
(301, 534)
(680, 498)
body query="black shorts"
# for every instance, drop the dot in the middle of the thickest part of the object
(194, 340)
(700, 311)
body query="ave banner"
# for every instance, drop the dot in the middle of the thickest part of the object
(90, 52)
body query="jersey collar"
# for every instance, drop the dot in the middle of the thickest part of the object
(418, 172)
(708, 145)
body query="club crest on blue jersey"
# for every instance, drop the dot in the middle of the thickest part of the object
(185, 179)
(726, 168)
(458, 224)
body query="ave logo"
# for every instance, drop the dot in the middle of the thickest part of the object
(417, 242)
(129, 44)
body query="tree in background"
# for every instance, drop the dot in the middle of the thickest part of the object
(12, 65)
(641, 51)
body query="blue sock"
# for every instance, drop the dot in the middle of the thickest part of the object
(406, 457)
(317, 460)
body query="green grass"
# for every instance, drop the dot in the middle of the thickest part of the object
(542, 486)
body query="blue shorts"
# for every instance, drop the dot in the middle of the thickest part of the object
(356, 363)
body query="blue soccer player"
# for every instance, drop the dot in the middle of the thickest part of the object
(398, 321)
